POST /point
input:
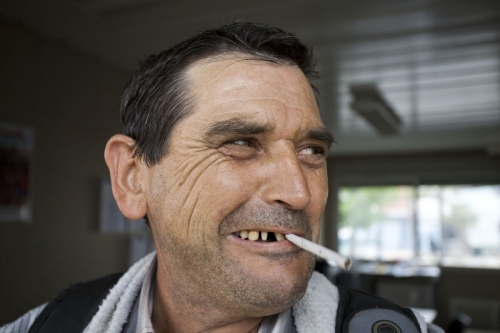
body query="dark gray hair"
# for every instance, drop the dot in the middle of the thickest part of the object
(157, 96)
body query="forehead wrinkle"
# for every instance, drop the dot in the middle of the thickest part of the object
(243, 106)
(204, 67)
(233, 58)
(238, 90)
(275, 98)
(283, 102)
(207, 66)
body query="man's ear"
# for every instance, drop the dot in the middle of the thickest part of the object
(127, 174)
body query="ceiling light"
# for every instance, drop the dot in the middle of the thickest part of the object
(370, 104)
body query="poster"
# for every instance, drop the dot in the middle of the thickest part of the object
(16, 159)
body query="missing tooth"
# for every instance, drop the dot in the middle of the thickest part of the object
(271, 237)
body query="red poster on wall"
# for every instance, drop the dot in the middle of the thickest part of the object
(16, 154)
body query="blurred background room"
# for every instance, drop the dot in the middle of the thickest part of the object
(410, 89)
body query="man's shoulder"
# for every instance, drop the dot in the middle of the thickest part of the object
(104, 302)
(70, 311)
(75, 306)
(328, 308)
(23, 323)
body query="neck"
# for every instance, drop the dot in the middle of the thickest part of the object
(174, 312)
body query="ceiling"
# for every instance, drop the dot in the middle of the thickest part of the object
(436, 62)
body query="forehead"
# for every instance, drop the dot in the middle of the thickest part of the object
(252, 89)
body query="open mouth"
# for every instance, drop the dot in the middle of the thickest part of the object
(259, 236)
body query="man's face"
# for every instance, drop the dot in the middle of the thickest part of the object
(251, 156)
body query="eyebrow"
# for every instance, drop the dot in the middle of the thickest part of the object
(323, 135)
(236, 126)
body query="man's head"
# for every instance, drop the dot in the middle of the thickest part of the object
(246, 152)
(157, 95)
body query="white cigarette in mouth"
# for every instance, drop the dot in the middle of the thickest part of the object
(320, 251)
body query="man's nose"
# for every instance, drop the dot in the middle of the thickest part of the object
(285, 183)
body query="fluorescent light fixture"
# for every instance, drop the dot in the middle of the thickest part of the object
(370, 104)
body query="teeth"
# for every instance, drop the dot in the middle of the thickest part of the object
(253, 235)
(244, 234)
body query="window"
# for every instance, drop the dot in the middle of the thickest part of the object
(455, 225)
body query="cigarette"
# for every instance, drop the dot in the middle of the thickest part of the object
(320, 251)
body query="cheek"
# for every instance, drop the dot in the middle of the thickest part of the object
(318, 186)
(225, 189)
(193, 204)
(160, 203)
(170, 196)
(317, 181)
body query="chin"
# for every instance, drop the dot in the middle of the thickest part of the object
(277, 290)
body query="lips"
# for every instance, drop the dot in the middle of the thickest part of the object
(264, 227)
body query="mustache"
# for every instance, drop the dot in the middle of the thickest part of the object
(253, 216)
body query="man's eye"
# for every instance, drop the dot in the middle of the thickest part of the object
(243, 142)
(312, 150)
(241, 148)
